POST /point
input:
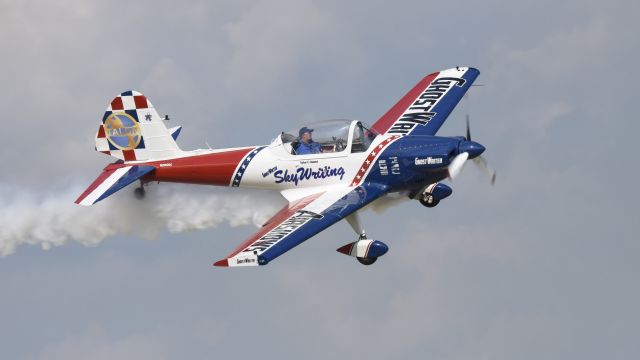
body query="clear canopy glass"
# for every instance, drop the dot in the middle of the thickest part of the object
(362, 137)
(331, 135)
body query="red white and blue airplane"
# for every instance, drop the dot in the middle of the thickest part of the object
(327, 171)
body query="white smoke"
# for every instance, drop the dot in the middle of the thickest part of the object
(52, 219)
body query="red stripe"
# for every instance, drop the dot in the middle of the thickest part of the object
(211, 169)
(362, 171)
(223, 262)
(366, 253)
(384, 123)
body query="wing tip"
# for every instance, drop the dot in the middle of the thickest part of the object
(222, 263)
(81, 201)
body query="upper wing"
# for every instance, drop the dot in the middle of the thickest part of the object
(425, 107)
(300, 220)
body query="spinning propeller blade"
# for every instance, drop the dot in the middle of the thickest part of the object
(457, 164)
(481, 162)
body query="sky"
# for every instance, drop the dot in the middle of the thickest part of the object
(542, 265)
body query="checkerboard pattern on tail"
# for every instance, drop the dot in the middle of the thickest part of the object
(131, 130)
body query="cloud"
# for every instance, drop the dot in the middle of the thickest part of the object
(95, 343)
(526, 267)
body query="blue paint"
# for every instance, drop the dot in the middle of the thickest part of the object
(446, 104)
(377, 249)
(237, 177)
(441, 191)
(176, 132)
(354, 200)
(303, 173)
(409, 173)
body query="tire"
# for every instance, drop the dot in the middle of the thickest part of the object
(367, 260)
(429, 201)
(139, 193)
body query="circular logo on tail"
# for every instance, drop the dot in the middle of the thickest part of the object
(123, 131)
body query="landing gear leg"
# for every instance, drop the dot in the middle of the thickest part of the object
(354, 221)
(139, 192)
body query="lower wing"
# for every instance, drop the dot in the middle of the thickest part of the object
(299, 220)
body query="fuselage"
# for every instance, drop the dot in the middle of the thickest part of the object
(400, 162)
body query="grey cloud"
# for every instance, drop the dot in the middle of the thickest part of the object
(94, 343)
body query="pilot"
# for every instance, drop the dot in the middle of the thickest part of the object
(307, 145)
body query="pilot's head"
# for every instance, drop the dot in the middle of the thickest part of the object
(305, 134)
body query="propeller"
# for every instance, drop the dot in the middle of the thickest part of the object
(482, 163)
(458, 162)
(466, 117)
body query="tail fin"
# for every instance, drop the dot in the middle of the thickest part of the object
(131, 129)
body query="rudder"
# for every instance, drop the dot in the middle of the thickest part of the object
(131, 129)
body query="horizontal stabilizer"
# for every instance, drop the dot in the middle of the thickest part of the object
(112, 179)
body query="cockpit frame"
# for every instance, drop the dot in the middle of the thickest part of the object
(284, 144)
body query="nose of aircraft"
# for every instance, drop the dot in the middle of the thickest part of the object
(473, 148)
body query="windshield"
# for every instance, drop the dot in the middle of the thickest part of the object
(362, 137)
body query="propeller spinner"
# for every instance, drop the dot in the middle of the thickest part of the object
(470, 150)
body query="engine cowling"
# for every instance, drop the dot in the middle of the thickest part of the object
(433, 193)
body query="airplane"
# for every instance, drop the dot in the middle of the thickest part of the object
(327, 171)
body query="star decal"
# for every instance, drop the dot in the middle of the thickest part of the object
(370, 158)
(244, 165)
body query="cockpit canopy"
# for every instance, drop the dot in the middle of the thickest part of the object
(332, 136)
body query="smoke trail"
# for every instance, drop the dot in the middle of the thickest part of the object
(52, 219)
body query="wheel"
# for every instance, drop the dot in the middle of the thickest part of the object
(429, 201)
(139, 193)
(367, 260)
